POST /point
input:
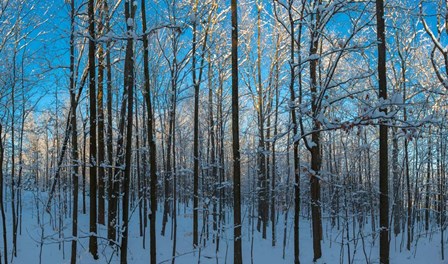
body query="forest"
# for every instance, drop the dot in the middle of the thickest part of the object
(223, 131)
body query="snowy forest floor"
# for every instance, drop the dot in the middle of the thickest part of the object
(42, 243)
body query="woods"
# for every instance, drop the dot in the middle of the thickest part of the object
(251, 131)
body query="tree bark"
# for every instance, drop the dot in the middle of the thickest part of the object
(112, 207)
(2, 204)
(93, 243)
(261, 161)
(101, 139)
(74, 133)
(315, 149)
(129, 89)
(237, 240)
(428, 181)
(152, 143)
(383, 145)
(196, 134)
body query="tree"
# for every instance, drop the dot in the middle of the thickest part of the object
(129, 96)
(293, 116)
(237, 240)
(2, 205)
(441, 71)
(315, 148)
(262, 173)
(196, 84)
(111, 198)
(93, 243)
(383, 153)
(74, 132)
(100, 120)
(151, 141)
(305, 115)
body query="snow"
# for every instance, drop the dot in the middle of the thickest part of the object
(396, 98)
(311, 143)
(56, 250)
(130, 22)
(313, 57)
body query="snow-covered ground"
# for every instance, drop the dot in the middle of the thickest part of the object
(42, 244)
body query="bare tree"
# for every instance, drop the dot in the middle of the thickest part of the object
(151, 141)
(74, 132)
(93, 243)
(383, 154)
(100, 118)
(2, 207)
(237, 240)
(129, 89)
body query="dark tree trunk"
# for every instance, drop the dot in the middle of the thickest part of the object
(13, 163)
(84, 165)
(274, 158)
(151, 141)
(171, 125)
(428, 180)
(129, 87)
(101, 139)
(2, 204)
(315, 149)
(292, 110)
(196, 136)
(93, 243)
(237, 240)
(74, 130)
(383, 154)
(261, 161)
(396, 184)
(213, 163)
(112, 207)
(138, 170)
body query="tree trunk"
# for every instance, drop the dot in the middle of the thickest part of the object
(74, 133)
(13, 163)
(93, 243)
(315, 149)
(169, 165)
(84, 165)
(383, 145)
(101, 139)
(261, 161)
(151, 141)
(213, 163)
(138, 170)
(274, 158)
(237, 245)
(112, 207)
(396, 183)
(428, 180)
(295, 126)
(196, 134)
(2, 204)
(128, 87)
